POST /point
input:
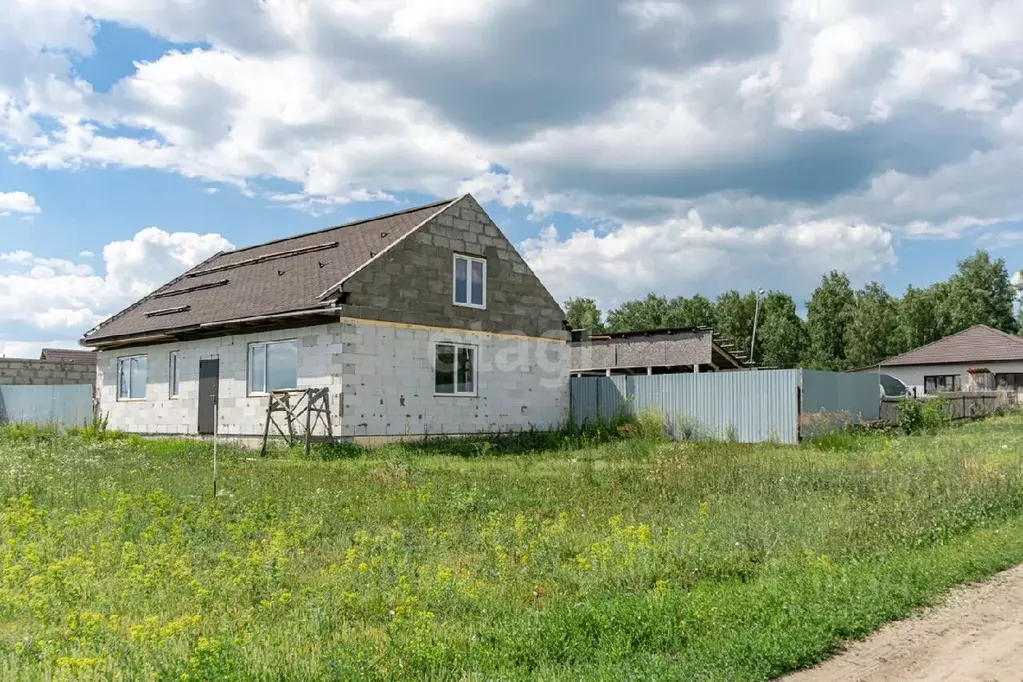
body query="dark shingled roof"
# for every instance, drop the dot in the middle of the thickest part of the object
(78, 357)
(282, 276)
(976, 344)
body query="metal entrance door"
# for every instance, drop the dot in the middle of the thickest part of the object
(209, 390)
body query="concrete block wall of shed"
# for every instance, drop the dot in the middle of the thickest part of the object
(522, 382)
(45, 372)
(319, 366)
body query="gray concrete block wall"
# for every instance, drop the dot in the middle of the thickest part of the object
(319, 366)
(412, 283)
(690, 349)
(389, 382)
(19, 372)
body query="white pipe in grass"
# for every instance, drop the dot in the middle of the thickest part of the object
(216, 427)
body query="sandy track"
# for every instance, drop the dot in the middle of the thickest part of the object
(976, 635)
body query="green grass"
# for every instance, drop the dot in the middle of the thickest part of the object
(527, 559)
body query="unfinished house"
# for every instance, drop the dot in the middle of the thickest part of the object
(659, 351)
(424, 321)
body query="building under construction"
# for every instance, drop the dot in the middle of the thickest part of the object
(657, 351)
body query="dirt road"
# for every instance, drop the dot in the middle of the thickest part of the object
(976, 635)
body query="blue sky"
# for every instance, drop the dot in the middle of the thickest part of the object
(671, 145)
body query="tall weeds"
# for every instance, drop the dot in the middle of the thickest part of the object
(525, 558)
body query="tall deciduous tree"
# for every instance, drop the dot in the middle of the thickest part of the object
(920, 312)
(583, 313)
(872, 333)
(646, 313)
(827, 314)
(697, 311)
(980, 293)
(733, 315)
(842, 328)
(781, 334)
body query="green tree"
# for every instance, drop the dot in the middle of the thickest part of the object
(583, 313)
(639, 315)
(980, 293)
(872, 332)
(697, 311)
(781, 333)
(733, 318)
(827, 314)
(920, 320)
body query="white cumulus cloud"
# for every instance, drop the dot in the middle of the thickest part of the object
(822, 129)
(17, 348)
(17, 202)
(687, 256)
(53, 293)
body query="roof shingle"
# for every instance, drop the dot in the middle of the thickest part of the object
(80, 357)
(976, 344)
(281, 276)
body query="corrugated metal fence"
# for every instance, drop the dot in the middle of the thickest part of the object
(749, 407)
(69, 405)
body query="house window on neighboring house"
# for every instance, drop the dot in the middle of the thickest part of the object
(273, 366)
(1008, 382)
(172, 375)
(470, 281)
(941, 383)
(455, 370)
(131, 377)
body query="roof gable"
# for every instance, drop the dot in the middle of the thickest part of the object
(412, 282)
(278, 277)
(979, 343)
(84, 357)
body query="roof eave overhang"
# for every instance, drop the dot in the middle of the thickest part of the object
(212, 329)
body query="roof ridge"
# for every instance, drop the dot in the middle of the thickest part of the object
(360, 221)
(926, 345)
(1007, 335)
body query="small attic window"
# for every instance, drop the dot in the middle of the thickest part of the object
(470, 281)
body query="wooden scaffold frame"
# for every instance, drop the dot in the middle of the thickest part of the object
(306, 408)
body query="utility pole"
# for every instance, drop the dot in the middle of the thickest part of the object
(756, 318)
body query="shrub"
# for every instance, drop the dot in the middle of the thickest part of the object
(651, 426)
(97, 431)
(731, 434)
(685, 428)
(923, 415)
(936, 413)
(29, 432)
(338, 450)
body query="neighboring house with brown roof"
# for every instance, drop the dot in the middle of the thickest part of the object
(77, 357)
(422, 321)
(978, 358)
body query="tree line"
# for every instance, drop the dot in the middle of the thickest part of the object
(844, 328)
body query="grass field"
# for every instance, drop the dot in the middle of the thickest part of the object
(631, 558)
